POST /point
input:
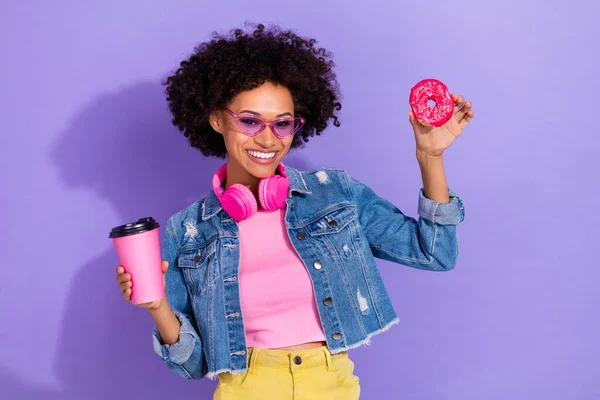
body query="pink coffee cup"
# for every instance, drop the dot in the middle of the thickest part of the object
(138, 248)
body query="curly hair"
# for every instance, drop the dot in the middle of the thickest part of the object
(241, 60)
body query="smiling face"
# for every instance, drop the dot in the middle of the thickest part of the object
(251, 158)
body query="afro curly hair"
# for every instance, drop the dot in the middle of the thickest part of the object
(241, 60)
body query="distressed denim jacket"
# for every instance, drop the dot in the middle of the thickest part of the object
(337, 226)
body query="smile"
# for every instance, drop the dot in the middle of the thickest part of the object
(261, 155)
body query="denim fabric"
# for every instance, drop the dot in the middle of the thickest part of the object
(337, 225)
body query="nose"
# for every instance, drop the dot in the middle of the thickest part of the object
(266, 139)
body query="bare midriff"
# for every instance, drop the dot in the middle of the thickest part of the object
(303, 346)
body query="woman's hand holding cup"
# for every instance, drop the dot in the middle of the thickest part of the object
(126, 286)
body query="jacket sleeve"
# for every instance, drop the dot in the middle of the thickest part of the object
(428, 243)
(186, 356)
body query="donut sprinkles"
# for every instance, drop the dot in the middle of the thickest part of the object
(431, 89)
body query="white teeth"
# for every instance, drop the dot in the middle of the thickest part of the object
(258, 154)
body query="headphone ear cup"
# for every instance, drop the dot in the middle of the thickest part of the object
(272, 192)
(239, 202)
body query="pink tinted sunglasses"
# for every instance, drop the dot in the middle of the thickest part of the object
(253, 125)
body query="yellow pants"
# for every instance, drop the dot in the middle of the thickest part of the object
(312, 374)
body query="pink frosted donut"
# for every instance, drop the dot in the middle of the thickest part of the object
(431, 89)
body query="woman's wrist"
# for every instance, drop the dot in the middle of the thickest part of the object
(435, 186)
(162, 308)
(166, 321)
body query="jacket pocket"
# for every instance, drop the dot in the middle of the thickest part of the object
(343, 369)
(229, 380)
(195, 264)
(332, 222)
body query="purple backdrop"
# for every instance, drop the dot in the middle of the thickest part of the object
(87, 143)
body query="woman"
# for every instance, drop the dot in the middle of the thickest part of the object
(271, 278)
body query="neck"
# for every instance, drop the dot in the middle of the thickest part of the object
(237, 175)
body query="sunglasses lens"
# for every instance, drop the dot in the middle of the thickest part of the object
(250, 125)
(284, 127)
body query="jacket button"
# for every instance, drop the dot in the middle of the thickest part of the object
(297, 360)
(336, 336)
(301, 236)
(196, 259)
(318, 264)
(328, 301)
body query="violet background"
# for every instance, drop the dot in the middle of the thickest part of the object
(87, 143)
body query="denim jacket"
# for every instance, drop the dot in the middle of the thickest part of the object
(337, 226)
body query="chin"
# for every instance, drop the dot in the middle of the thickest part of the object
(263, 171)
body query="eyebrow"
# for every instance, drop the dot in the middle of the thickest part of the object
(258, 114)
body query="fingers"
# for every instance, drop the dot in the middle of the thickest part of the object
(122, 276)
(411, 118)
(124, 286)
(415, 122)
(124, 281)
(462, 110)
(459, 103)
(467, 118)
(165, 268)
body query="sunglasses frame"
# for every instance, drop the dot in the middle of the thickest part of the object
(271, 124)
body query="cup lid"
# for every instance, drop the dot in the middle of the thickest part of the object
(140, 226)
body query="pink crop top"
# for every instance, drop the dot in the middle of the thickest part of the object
(278, 304)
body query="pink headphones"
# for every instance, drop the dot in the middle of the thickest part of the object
(238, 200)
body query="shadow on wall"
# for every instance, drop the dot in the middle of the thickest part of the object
(122, 147)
